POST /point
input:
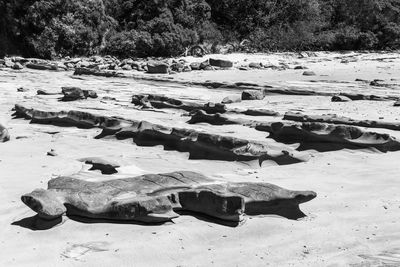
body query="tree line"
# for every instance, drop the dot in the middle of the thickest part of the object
(141, 28)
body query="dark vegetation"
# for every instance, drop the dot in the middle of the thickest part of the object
(140, 28)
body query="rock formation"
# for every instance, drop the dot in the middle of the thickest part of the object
(200, 145)
(334, 119)
(155, 198)
(314, 135)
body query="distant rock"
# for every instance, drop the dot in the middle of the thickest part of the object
(17, 66)
(75, 93)
(52, 153)
(44, 92)
(254, 65)
(22, 89)
(309, 73)
(253, 95)
(231, 99)
(340, 98)
(4, 135)
(221, 63)
(397, 103)
(156, 67)
(195, 65)
(300, 68)
(41, 66)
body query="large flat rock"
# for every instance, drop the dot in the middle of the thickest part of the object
(154, 198)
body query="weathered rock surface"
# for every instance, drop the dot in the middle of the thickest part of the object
(75, 93)
(4, 135)
(161, 101)
(95, 72)
(199, 145)
(155, 198)
(157, 67)
(329, 137)
(340, 98)
(334, 119)
(253, 95)
(220, 63)
(309, 73)
(41, 66)
(314, 135)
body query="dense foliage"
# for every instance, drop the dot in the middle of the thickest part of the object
(139, 28)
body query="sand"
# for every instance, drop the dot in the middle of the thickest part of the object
(354, 221)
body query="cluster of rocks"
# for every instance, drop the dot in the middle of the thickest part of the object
(110, 63)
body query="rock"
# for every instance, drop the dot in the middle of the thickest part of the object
(44, 92)
(161, 101)
(329, 137)
(199, 144)
(75, 93)
(157, 67)
(340, 98)
(4, 135)
(208, 68)
(309, 73)
(220, 63)
(187, 68)
(178, 67)
(52, 153)
(94, 72)
(195, 65)
(22, 89)
(41, 66)
(397, 104)
(334, 119)
(8, 63)
(310, 135)
(126, 67)
(155, 198)
(254, 65)
(17, 66)
(300, 68)
(253, 95)
(72, 93)
(105, 166)
(231, 99)
(204, 64)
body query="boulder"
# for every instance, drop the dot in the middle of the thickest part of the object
(221, 63)
(255, 65)
(253, 95)
(309, 73)
(17, 66)
(75, 93)
(231, 99)
(4, 135)
(157, 67)
(340, 98)
(195, 65)
(41, 66)
(155, 198)
(178, 67)
(126, 67)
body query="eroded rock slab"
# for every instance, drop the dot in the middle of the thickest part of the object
(155, 198)
(334, 119)
(310, 135)
(200, 145)
(161, 101)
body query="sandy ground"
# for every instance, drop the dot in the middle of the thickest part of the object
(354, 221)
